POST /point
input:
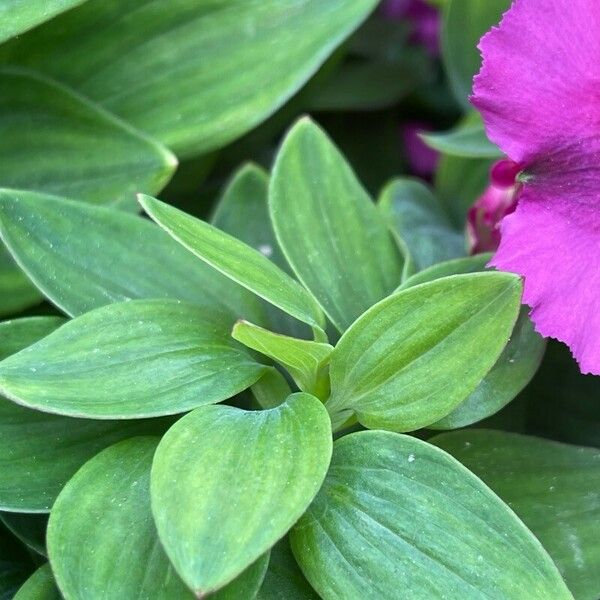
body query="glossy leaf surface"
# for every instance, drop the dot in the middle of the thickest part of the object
(237, 260)
(242, 480)
(396, 513)
(553, 487)
(187, 72)
(130, 360)
(83, 257)
(349, 260)
(421, 352)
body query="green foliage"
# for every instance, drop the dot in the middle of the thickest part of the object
(228, 400)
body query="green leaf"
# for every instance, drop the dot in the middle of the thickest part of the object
(514, 369)
(459, 182)
(464, 24)
(328, 228)
(554, 488)
(187, 72)
(106, 508)
(415, 356)
(304, 360)
(284, 580)
(243, 479)
(243, 213)
(57, 243)
(396, 513)
(29, 528)
(17, 16)
(415, 215)
(130, 360)
(40, 586)
(457, 266)
(40, 452)
(236, 260)
(69, 146)
(16, 291)
(467, 140)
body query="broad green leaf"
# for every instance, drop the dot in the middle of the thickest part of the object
(187, 72)
(459, 182)
(271, 390)
(328, 228)
(284, 580)
(40, 452)
(29, 528)
(40, 586)
(424, 230)
(303, 359)
(18, 16)
(415, 356)
(243, 213)
(554, 488)
(396, 513)
(71, 147)
(58, 243)
(102, 541)
(468, 140)
(465, 22)
(514, 369)
(238, 261)
(242, 480)
(16, 291)
(130, 360)
(457, 266)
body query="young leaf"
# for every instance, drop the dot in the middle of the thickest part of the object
(40, 452)
(396, 513)
(233, 258)
(418, 354)
(422, 226)
(106, 506)
(243, 479)
(465, 21)
(328, 227)
(57, 243)
(468, 139)
(186, 71)
(554, 488)
(243, 213)
(130, 360)
(303, 359)
(39, 586)
(71, 147)
(16, 17)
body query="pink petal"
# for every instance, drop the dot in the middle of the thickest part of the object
(553, 241)
(539, 86)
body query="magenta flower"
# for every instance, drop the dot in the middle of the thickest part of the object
(424, 19)
(539, 94)
(498, 201)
